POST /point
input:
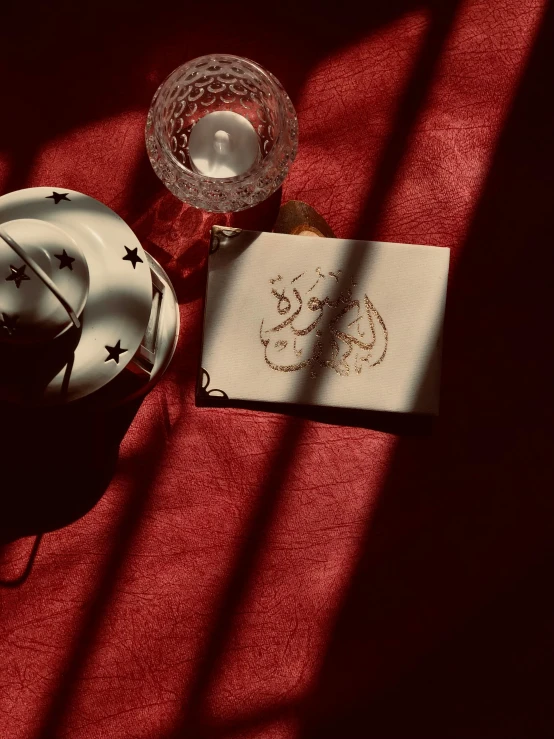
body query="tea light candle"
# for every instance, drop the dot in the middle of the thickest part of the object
(223, 144)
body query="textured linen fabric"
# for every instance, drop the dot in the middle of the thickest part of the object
(173, 571)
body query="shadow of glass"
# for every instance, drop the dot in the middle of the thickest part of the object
(178, 235)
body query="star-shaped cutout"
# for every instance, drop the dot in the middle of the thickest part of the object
(114, 352)
(132, 256)
(17, 275)
(8, 323)
(57, 196)
(65, 260)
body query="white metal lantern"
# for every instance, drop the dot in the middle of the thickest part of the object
(84, 310)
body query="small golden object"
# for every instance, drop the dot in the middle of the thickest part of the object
(300, 219)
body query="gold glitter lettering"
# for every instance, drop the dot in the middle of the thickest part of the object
(333, 345)
(320, 276)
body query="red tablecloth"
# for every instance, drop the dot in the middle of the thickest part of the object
(245, 574)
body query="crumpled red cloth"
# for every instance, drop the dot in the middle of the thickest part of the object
(225, 573)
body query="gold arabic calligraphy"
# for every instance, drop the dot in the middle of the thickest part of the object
(329, 328)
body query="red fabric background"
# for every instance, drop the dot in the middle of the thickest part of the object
(246, 574)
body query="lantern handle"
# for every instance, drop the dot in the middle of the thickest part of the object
(41, 274)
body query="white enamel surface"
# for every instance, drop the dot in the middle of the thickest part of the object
(223, 144)
(168, 327)
(120, 297)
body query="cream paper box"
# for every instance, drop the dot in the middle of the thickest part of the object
(329, 322)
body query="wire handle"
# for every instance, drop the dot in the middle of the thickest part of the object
(41, 274)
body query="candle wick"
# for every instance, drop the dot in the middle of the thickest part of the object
(222, 142)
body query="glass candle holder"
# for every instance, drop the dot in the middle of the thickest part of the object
(221, 133)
